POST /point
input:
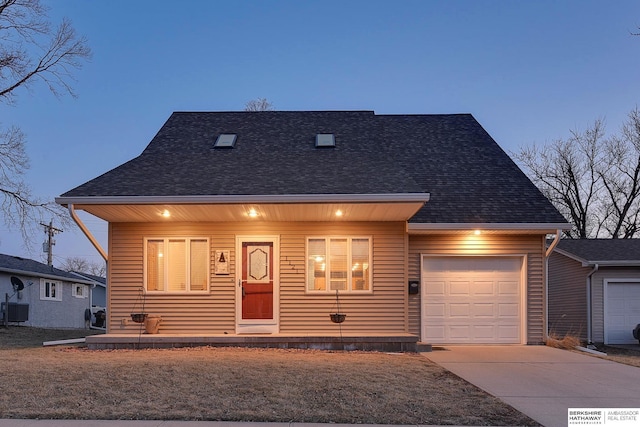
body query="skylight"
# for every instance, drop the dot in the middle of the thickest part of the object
(325, 140)
(225, 140)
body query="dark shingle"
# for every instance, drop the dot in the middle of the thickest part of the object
(10, 263)
(470, 178)
(594, 250)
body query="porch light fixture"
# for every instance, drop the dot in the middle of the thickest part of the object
(477, 232)
(339, 213)
(165, 213)
(252, 213)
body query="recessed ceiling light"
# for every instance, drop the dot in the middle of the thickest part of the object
(165, 213)
(253, 213)
(339, 212)
(477, 232)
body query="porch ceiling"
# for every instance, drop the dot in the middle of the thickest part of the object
(371, 211)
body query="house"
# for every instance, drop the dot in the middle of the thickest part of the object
(43, 296)
(254, 227)
(594, 289)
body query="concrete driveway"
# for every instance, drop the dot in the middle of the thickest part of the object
(543, 382)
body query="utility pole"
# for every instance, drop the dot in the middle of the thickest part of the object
(50, 231)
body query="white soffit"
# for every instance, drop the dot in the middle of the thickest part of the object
(401, 211)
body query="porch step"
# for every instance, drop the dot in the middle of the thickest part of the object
(423, 347)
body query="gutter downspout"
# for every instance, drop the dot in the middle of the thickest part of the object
(553, 244)
(87, 233)
(591, 273)
(550, 249)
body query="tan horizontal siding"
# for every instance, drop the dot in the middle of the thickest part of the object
(488, 244)
(378, 312)
(382, 311)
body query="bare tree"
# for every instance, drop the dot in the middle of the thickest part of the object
(259, 104)
(621, 179)
(81, 265)
(31, 51)
(593, 180)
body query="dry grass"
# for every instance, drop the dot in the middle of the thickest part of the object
(568, 342)
(235, 384)
(622, 355)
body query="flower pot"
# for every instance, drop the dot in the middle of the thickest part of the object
(152, 323)
(337, 317)
(138, 317)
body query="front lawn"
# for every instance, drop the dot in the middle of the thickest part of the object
(237, 384)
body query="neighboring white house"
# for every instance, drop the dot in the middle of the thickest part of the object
(43, 296)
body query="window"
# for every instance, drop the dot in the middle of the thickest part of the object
(338, 263)
(79, 291)
(50, 290)
(225, 140)
(177, 264)
(325, 140)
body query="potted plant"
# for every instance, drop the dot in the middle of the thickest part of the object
(338, 316)
(139, 317)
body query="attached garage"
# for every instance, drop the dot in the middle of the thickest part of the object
(472, 299)
(622, 311)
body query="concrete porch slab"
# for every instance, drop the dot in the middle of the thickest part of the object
(352, 342)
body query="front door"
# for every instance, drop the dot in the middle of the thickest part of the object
(256, 286)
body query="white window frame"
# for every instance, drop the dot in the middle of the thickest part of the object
(84, 291)
(349, 280)
(187, 290)
(45, 288)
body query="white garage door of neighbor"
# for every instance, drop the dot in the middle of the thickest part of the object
(472, 300)
(622, 312)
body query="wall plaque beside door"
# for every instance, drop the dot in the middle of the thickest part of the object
(222, 262)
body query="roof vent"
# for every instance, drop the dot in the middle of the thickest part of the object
(225, 140)
(325, 140)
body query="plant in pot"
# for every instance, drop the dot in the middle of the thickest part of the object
(338, 316)
(139, 317)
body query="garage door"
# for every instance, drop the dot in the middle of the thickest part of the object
(472, 300)
(622, 312)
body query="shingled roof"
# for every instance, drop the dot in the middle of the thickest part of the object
(28, 267)
(469, 177)
(602, 251)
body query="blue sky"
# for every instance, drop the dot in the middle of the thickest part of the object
(529, 71)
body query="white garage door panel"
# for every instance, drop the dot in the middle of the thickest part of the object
(471, 300)
(622, 312)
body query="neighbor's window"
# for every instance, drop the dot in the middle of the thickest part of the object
(177, 264)
(79, 291)
(338, 263)
(50, 290)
